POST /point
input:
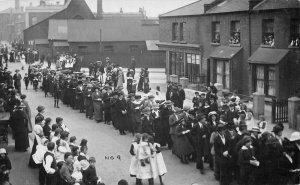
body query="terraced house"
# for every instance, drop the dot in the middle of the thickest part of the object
(244, 45)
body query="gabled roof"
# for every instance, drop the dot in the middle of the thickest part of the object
(230, 6)
(64, 8)
(196, 8)
(277, 4)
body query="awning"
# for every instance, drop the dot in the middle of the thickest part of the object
(225, 52)
(179, 45)
(61, 44)
(268, 56)
(41, 41)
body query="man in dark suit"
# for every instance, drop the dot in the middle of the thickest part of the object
(231, 114)
(199, 133)
(79, 97)
(106, 104)
(181, 96)
(174, 96)
(222, 156)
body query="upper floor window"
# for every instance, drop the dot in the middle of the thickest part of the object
(215, 32)
(181, 31)
(33, 20)
(295, 33)
(235, 32)
(109, 49)
(175, 31)
(268, 32)
(133, 48)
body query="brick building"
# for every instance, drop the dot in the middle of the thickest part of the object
(120, 36)
(243, 44)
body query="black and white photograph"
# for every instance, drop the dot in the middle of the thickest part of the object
(149, 92)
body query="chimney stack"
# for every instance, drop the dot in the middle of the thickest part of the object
(99, 9)
(17, 4)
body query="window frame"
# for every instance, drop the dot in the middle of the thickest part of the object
(266, 79)
(295, 32)
(175, 26)
(181, 31)
(265, 32)
(215, 31)
(225, 65)
(234, 29)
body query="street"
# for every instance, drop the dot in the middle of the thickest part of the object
(110, 149)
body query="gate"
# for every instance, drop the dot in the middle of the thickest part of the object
(279, 111)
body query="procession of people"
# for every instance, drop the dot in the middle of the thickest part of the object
(218, 129)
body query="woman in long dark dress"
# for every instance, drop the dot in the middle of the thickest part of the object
(121, 111)
(19, 126)
(97, 103)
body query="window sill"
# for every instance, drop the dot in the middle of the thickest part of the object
(182, 42)
(235, 45)
(175, 41)
(215, 44)
(266, 46)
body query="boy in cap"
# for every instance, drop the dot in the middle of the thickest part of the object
(89, 174)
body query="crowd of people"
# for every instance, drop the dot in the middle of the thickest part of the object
(218, 129)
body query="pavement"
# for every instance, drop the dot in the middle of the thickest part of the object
(103, 141)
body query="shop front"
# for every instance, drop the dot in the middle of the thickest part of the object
(185, 60)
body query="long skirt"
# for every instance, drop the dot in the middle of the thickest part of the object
(98, 111)
(183, 146)
(121, 121)
(21, 140)
(32, 164)
(107, 114)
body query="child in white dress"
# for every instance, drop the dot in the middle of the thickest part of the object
(77, 175)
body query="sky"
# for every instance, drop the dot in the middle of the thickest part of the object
(153, 7)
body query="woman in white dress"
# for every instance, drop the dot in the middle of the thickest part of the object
(146, 164)
(159, 162)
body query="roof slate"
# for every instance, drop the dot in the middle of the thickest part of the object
(277, 4)
(230, 6)
(268, 56)
(196, 8)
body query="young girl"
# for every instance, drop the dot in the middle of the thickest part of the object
(158, 159)
(144, 155)
(133, 151)
(77, 175)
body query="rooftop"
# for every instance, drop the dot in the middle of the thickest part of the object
(230, 6)
(196, 8)
(277, 4)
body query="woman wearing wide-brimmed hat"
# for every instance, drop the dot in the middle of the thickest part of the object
(98, 105)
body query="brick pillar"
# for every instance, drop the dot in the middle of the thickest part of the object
(293, 110)
(174, 78)
(184, 82)
(258, 104)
